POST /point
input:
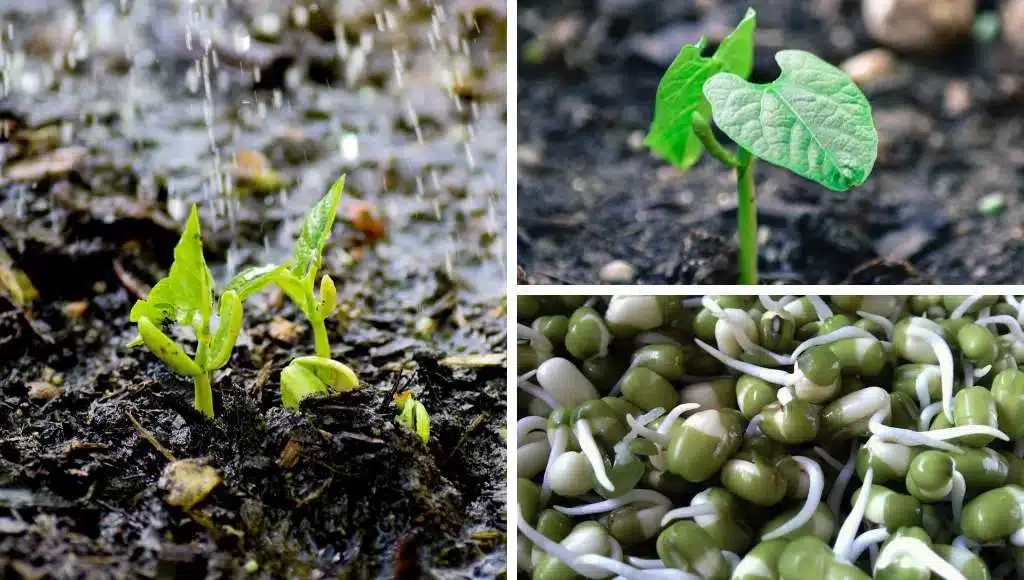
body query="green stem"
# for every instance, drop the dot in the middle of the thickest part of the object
(702, 129)
(747, 216)
(323, 347)
(204, 394)
(203, 391)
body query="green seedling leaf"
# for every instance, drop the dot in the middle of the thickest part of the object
(166, 349)
(335, 376)
(413, 416)
(252, 280)
(679, 97)
(188, 287)
(315, 230)
(297, 383)
(812, 120)
(422, 422)
(312, 375)
(736, 52)
(680, 93)
(223, 342)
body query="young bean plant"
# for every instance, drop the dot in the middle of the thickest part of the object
(185, 297)
(413, 416)
(812, 120)
(792, 437)
(297, 277)
(306, 376)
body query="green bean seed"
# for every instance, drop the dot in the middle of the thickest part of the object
(587, 335)
(822, 524)
(753, 395)
(586, 538)
(977, 344)
(754, 480)
(705, 442)
(861, 356)
(761, 562)
(776, 331)
(686, 546)
(930, 477)
(889, 461)
(889, 508)
(1008, 394)
(553, 327)
(820, 375)
(648, 390)
(995, 514)
(974, 406)
(528, 499)
(667, 360)
(527, 308)
(809, 557)
(793, 423)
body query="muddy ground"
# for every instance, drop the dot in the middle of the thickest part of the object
(950, 134)
(115, 120)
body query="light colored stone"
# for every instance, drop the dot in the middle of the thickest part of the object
(870, 65)
(923, 26)
(617, 272)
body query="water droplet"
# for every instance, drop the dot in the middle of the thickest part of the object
(350, 146)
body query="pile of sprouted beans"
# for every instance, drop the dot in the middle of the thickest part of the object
(791, 437)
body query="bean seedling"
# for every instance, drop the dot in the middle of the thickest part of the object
(185, 297)
(787, 437)
(413, 416)
(297, 277)
(812, 120)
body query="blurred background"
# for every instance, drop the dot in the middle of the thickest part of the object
(946, 81)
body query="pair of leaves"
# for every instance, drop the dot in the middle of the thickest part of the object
(680, 93)
(313, 375)
(186, 296)
(295, 277)
(414, 416)
(812, 120)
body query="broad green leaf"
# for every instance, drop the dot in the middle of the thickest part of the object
(679, 96)
(188, 287)
(315, 231)
(252, 280)
(230, 314)
(812, 120)
(422, 423)
(736, 52)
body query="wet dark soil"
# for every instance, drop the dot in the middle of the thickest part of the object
(590, 193)
(97, 160)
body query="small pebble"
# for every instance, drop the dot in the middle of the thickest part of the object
(43, 391)
(922, 26)
(76, 309)
(284, 330)
(992, 204)
(869, 66)
(636, 140)
(617, 272)
(957, 99)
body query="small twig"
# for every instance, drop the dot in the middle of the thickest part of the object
(149, 437)
(133, 284)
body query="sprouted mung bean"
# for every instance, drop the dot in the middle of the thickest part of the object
(770, 437)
